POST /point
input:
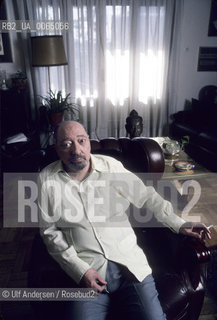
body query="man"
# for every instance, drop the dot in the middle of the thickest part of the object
(83, 196)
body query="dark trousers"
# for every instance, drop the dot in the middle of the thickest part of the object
(127, 297)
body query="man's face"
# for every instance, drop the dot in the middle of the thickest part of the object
(73, 146)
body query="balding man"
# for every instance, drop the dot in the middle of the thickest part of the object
(82, 232)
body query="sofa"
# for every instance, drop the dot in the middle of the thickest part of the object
(178, 263)
(199, 122)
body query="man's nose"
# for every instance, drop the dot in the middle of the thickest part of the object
(75, 148)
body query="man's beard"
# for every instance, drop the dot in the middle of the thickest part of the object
(74, 165)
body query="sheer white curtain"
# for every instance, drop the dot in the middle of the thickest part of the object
(118, 59)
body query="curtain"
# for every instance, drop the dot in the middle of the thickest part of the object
(121, 56)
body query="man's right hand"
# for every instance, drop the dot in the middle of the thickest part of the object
(92, 279)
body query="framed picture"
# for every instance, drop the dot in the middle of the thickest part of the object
(207, 59)
(212, 32)
(5, 46)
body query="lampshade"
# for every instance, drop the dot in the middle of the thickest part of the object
(48, 51)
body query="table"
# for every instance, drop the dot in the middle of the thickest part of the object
(191, 196)
(170, 173)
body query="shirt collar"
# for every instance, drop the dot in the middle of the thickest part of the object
(97, 163)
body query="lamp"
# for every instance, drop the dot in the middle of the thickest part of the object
(48, 51)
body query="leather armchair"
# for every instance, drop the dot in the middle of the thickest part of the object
(178, 263)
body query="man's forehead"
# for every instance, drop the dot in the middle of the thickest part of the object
(72, 129)
(66, 137)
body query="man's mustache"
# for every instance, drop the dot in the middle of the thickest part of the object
(77, 156)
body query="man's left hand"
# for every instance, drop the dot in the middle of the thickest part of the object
(196, 230)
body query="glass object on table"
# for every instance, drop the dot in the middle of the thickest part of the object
(170, 147)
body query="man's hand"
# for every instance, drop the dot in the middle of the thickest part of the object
(196, 230)
(92, 279)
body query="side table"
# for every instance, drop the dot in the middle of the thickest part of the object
(170, 173)
(187, 185)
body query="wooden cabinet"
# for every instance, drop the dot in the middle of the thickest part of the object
(15, 111)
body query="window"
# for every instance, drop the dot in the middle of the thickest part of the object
(119, 56)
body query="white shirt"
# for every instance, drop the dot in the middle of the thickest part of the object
(84, 224)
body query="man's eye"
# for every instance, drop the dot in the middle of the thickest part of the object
(66, 145)
(82, 141)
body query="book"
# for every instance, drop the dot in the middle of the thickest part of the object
(20, 137)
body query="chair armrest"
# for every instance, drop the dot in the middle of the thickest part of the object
(193, 256)
(175, 259)
(167, 251)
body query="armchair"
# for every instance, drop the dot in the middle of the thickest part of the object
(178, 263)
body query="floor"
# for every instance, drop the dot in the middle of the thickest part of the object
(15, 244)
(209, 310)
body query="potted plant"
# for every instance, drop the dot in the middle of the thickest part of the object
(184, 142)
(56, 104)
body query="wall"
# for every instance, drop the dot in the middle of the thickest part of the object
(194, 34)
